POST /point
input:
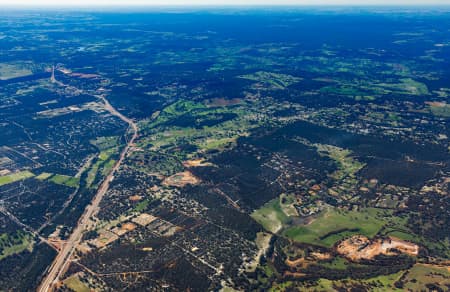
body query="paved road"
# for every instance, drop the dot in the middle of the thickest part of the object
(63, 258)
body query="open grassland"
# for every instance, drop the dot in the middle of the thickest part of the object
(141, 206)
(334, 225)
(328, 227)
(74, 283)
(367, 90)
(348, 90)
(104, 143)
(8, 71)
(107, 166)
(56, 112)
(380, 283)
(205, 128)
(347, 165)
(271, 216)
(66, 180)
(93, 171)
(273, 80)
(398, 227)
(7, 179)
(59, 179)
(217, 143)
(105, 154)
(44, 176)
(173, 111)
(421, 275)
(287, 202)
(14, 243)
(103, 163)
(284, 286)
(406, 86)
(440, 109)
(338, 263)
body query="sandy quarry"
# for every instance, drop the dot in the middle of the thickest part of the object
(181, 179)
(196, 163)
(360, 247)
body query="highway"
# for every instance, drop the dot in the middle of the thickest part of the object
(62, 260)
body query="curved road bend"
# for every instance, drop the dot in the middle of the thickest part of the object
(63, 258)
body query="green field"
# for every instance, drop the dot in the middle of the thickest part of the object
(337, 263)
(420, 275)
(93, 172)
(75, 284)
(172, 111)
(44, 176)
(441, 111)
(106, 153)
(107, 166)
(181, 107)
(165, 138)
(382, 283)
(102, 165)
(59, 179)
(141, 206)
(108, 147)
(271, 216)
(14, 243)
(7, 179)
(287, 202)
(354, 92)
(217, 144)
(334, 225)
(367, 90)
(274, 80)
(66, 180)
(104, 143)
(347, 165)
(328, 228)
(406, 86)
(14, 70)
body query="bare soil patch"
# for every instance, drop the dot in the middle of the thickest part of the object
(359, 247)
(181, 179)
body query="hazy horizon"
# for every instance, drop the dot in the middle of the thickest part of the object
(88, 3)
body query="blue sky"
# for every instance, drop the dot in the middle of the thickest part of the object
(222, 2)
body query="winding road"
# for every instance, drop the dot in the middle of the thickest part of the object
(62, 260)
